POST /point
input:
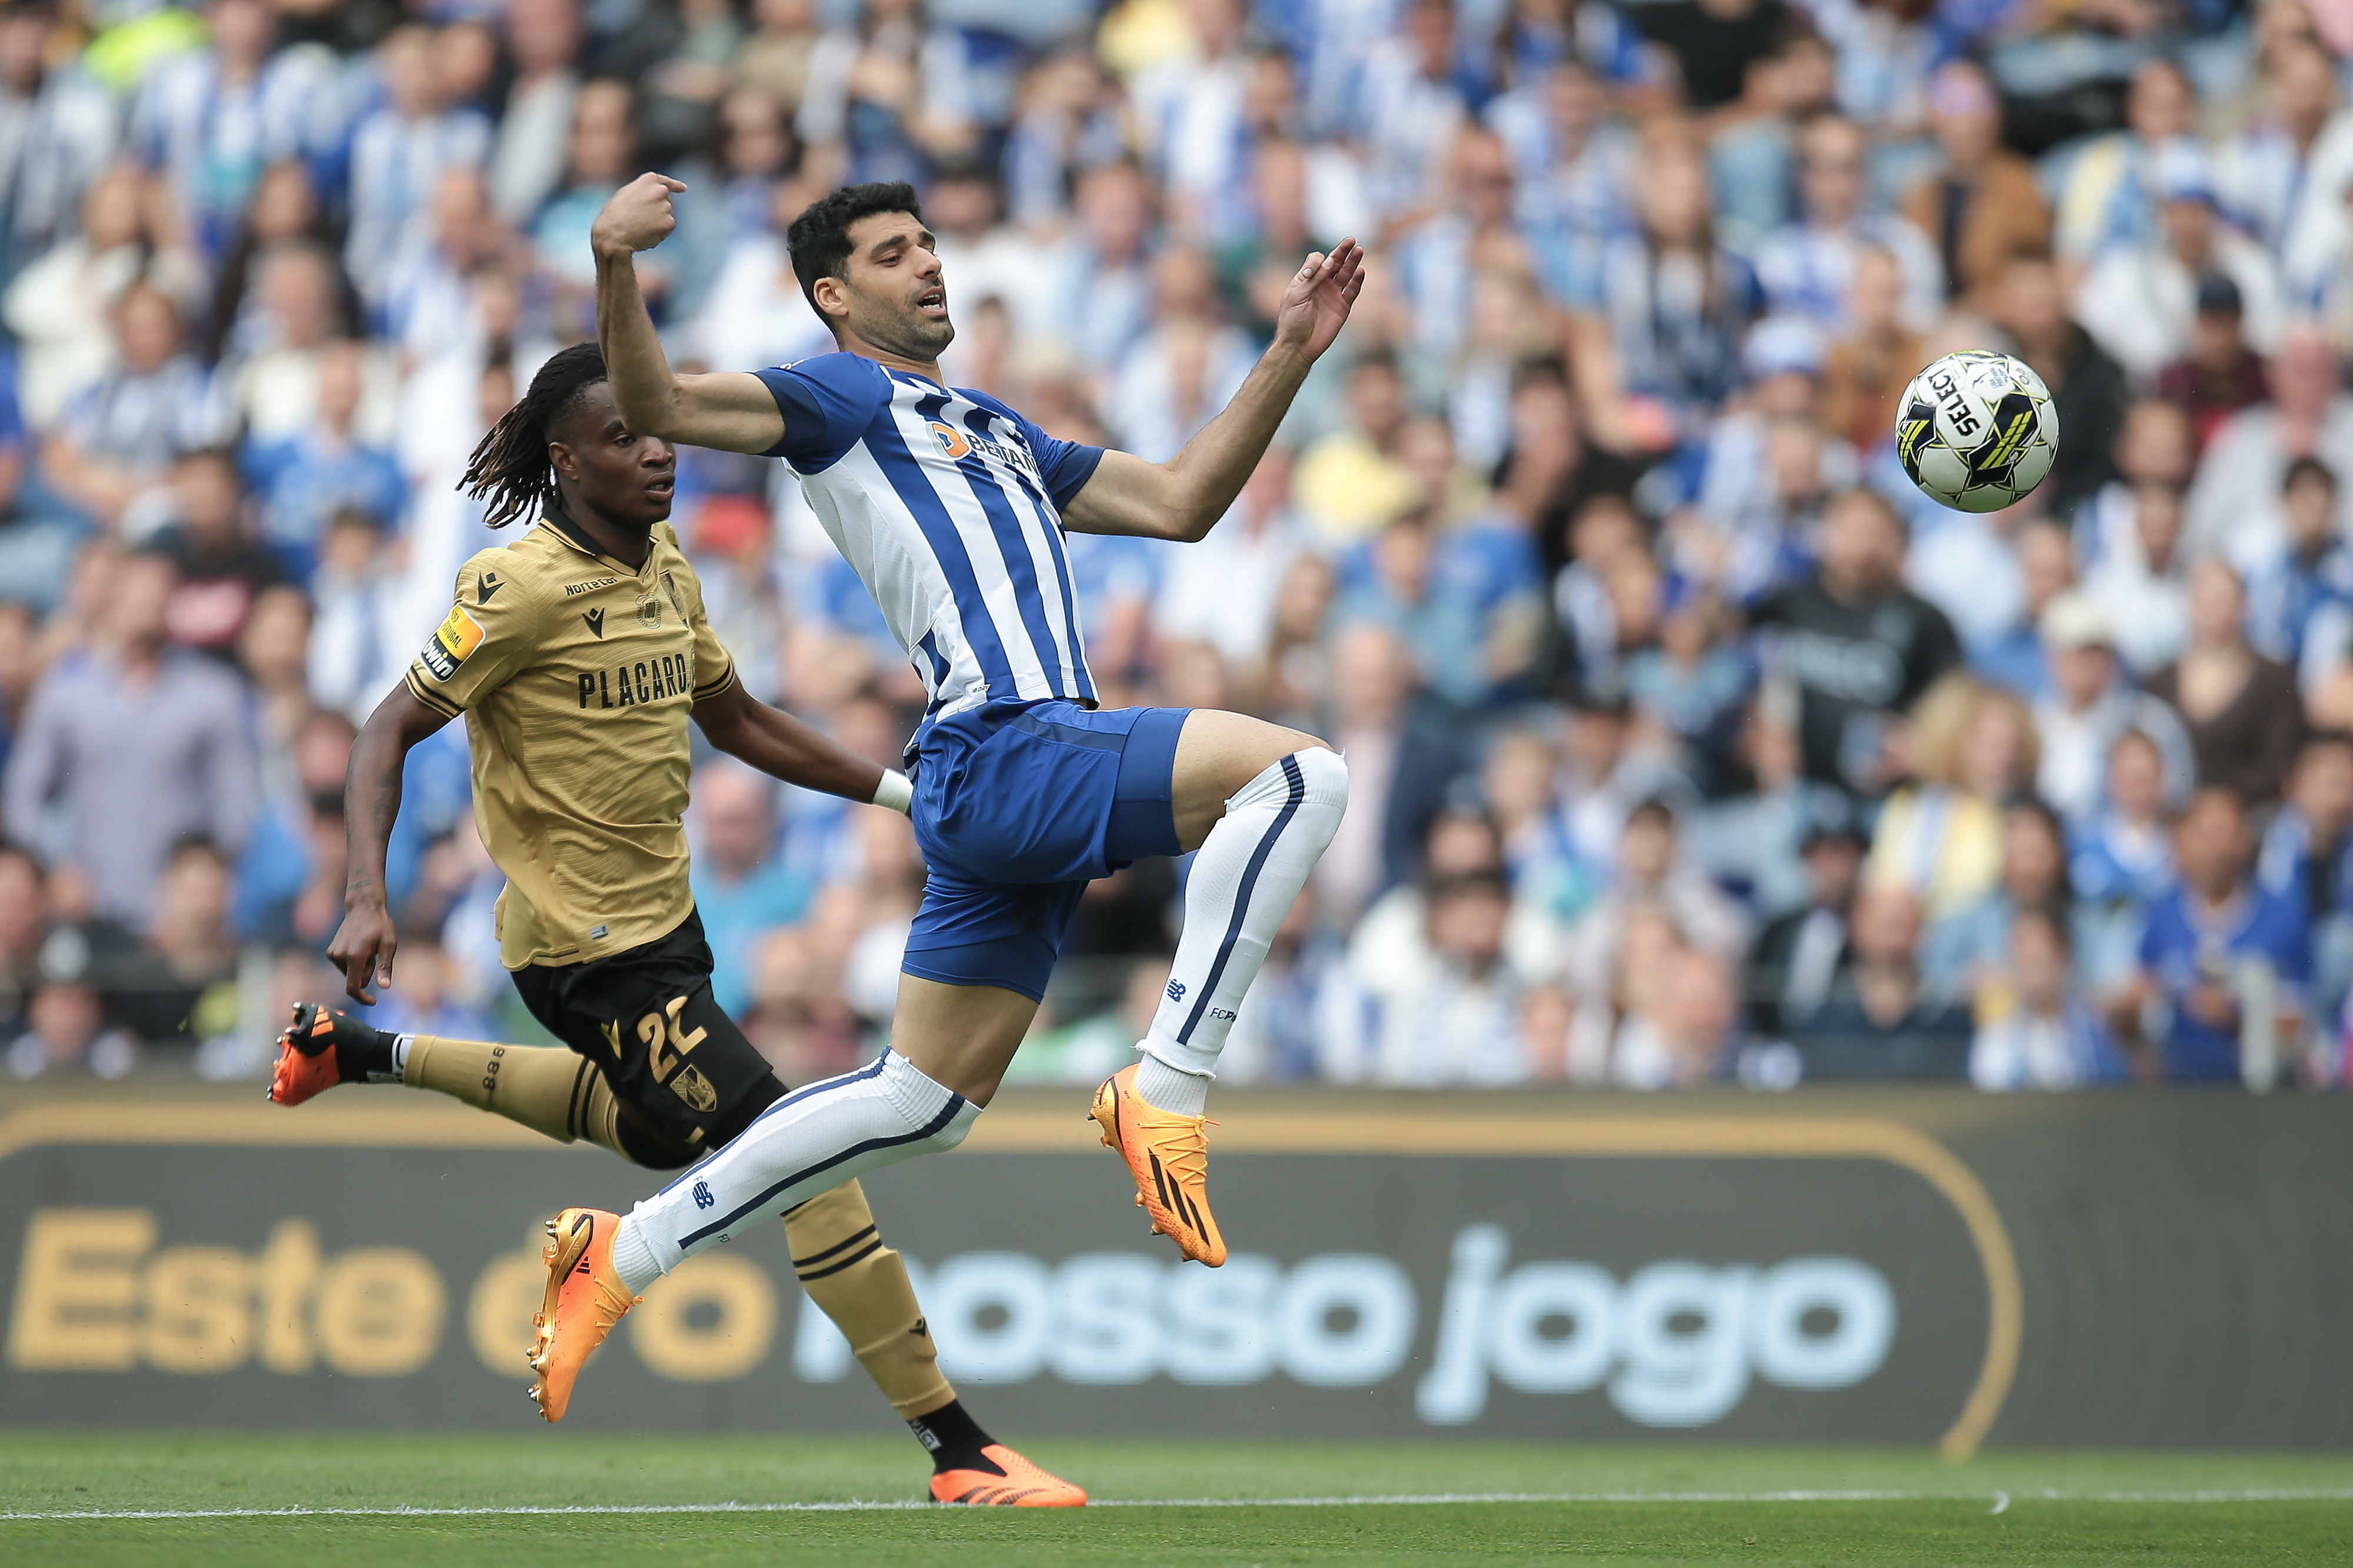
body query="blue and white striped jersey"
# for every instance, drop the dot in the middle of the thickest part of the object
(947, 505)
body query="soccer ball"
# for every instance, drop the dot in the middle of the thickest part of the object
(1976, 431)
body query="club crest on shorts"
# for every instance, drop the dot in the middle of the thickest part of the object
(692, 1087)
(952, 440)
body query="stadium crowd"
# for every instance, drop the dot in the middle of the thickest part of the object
(1689, 742)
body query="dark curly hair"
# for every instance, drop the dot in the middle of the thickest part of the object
(818, 239)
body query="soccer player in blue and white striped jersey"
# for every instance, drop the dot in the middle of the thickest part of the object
(952, 508)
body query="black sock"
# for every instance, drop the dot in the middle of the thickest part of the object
(954, 1439)
(362, 1052)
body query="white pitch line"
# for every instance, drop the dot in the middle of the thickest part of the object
(2261, 1494)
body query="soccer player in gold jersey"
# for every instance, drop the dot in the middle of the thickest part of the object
(576, 654)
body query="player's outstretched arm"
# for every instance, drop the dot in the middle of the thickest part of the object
(781, 746)
(730, 410)
(1183, 498)
(363, 947)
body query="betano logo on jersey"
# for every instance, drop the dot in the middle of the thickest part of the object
(962, 444)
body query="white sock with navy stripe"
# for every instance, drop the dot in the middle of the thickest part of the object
(1249, 868)
(808, 1143)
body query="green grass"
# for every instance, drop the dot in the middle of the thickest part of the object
(2059, 1509)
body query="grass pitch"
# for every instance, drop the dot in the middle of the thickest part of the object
(87, 1501)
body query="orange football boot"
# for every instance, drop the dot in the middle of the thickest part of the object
(1013, 1482)
(584, 1299)
(1168, 1155)
(307, 1059)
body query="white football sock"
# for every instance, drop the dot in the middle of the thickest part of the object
(808, 1143)
(1249, 868)
(1168, 1088)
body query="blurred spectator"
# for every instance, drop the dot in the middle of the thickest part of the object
(742, 887)
(2263, 172)
(2089, 706)
(130, 748)
(1801, 956)
(887, 94)
(1972, 749)
(400, 152)
(1713, 42)
(1650, 872)
(2140, 301)
(1398, 770)
(57, 132)
(212, 119)
(306, 479)
(1808, 269)
(2241, 709)
(543, 39)
(2307, 858)
(2112, 192)
(1982, 205)
(67, 1032)
(119, 434)
(2048, 1036)
(1655, 332)
(2232, 508)
(223, 567)
(2300, 599)
(1355, 481)
(24, 921)
(1869, 366)
(601, 152)
(2088, 390)
(1447, 1016)
(2123, 854)
(1882, 1020)
(1222, 591)
(1852, 646)
(2221, 957)
(2218, 373)
(2141, 585)
(185, 988)
(60, 307)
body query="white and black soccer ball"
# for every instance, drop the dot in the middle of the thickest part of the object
(1975, 430)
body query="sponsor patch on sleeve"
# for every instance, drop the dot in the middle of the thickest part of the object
(446, 649)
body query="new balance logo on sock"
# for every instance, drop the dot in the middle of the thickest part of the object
(1176, 991)
(703, 1198)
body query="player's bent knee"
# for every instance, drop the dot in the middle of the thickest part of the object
(953, 1133)
(1324, 774)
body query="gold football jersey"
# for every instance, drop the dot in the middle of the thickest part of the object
(576, 676)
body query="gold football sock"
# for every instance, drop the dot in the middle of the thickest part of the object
(547, 1089)
(862, 1286)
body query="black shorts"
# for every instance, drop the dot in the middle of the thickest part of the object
(686, 1076)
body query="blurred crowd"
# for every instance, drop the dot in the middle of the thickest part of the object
(1689, 743)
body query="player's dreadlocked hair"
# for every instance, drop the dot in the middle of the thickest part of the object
(510, 466)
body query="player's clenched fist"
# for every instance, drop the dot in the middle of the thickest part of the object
(638, 217)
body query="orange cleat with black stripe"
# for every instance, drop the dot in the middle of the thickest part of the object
(584, 1299)
(321, 1047)
(1168, 1155)
(1003, 1478)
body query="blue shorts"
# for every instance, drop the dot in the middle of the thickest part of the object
(1018, 805)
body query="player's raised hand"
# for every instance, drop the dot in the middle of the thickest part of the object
(638, 217)
(363, 947)
(1316, 305)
